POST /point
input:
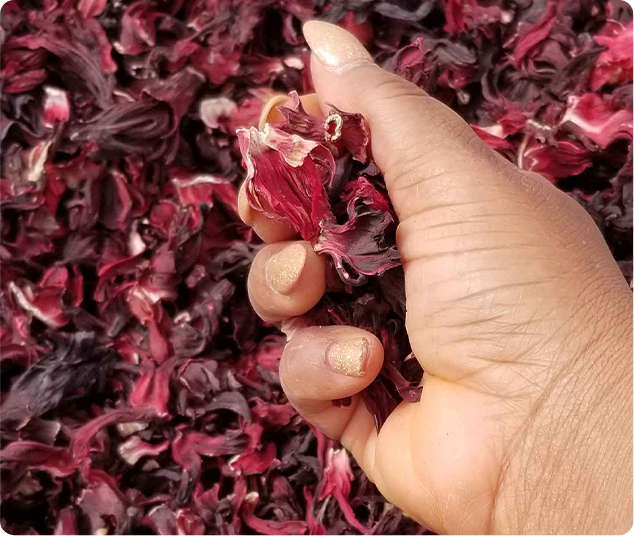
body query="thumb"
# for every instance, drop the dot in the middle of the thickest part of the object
(489, 252)
(428, 154)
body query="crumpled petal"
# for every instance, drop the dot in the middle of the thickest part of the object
(614, 65)
(285, 178)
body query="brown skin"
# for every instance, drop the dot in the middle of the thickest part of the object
(515, 309)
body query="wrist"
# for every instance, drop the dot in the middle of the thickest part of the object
(570, 469)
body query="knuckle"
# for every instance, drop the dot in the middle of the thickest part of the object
(389, 87)
(534, 184)
(456, 129)
(544, 198)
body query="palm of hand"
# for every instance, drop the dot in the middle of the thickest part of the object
(494, 326)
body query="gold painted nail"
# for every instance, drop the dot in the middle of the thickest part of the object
(285, 268)
(349, 357)
(336, 48)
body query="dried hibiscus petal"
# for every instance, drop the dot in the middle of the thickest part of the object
(286, 175)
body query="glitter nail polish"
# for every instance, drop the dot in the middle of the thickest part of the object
(349, 357)
(285, 268)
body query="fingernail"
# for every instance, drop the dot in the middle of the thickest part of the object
(285, 268)
(270, 113)
(336, 48)
(349, 357)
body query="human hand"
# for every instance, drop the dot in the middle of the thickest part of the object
(515, 309)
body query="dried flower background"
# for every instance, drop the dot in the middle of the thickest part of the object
(139, 391)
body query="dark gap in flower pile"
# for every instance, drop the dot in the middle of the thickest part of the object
(139, 391)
